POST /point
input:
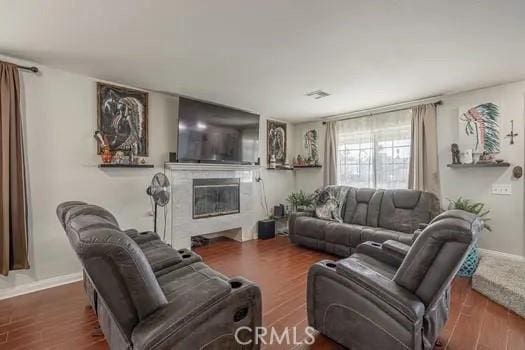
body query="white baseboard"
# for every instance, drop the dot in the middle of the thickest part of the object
(501, 254)
(40, 285)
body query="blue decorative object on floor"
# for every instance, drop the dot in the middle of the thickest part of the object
(470, 264)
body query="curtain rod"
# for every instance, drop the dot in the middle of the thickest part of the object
(28, 68)
(31, 69)
(383, 109)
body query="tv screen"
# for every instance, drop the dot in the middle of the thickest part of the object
(216, 134)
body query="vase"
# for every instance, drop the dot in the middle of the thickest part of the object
(106, 155)
(470, 263)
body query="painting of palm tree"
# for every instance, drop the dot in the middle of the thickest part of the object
(479, 128)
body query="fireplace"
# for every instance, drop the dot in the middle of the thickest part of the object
(215, 197)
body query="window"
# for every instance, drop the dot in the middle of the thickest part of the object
(374, 151)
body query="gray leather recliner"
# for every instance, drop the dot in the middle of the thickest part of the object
(391, 295)
(148, 295)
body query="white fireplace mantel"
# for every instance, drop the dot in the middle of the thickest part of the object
(180, 218)
(209, 167)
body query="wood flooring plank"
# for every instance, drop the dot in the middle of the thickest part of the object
(468, 326)
(57, 318)
(516, 332)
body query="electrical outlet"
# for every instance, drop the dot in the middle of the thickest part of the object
(500, 189)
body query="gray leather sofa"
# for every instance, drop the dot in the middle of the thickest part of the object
(368, 215)
(148, 295)
(391, 295)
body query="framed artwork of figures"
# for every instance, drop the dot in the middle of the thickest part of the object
(276, 141)
(123, 118)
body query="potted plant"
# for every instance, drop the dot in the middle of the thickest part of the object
(471, 261)
(300, 201)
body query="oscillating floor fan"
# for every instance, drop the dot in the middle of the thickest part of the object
(159, 191)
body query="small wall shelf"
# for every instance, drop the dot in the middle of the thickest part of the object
(268, 168)
(297, 167)
(307, 166)
(106, 165)
(480, 165)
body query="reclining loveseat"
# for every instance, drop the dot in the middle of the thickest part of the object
(148, 295)
(367, 215)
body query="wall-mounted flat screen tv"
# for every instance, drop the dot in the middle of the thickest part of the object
(216, 134)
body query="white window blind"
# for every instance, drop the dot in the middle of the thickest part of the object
(374, 151)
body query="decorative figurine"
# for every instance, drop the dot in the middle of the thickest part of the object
(455, 153)
(105, 151)
(106, 155)
(273, 163)
(118, 157)
(467, 157)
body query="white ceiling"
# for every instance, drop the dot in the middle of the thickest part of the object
(264, 55)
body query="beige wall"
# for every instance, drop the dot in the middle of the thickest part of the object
(59, 116)
(59, 113)
(475, 183)
(507, 211)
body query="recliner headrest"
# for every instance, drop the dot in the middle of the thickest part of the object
(406, 199)
(363, 195)
(93, 210)
(83, 222)
(64, 208)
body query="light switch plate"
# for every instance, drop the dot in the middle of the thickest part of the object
(501, 189)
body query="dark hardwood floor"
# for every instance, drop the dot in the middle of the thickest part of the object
(58, 318)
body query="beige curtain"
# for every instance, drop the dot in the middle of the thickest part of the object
(423, 171)
(13, 218)
(330, 155)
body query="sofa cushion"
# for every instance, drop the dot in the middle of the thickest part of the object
(187, 278)
(362, 206)
(344, 234)
(160, 255)
(403, 210)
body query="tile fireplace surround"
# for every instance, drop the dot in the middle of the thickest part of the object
(180, 217)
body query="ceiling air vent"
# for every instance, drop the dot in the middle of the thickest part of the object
(317, 94)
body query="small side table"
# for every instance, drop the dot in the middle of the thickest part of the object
(281, 225)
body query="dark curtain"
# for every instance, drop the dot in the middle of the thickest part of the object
(13, 208)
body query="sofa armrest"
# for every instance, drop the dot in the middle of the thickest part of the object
(396, 247)
(188, 309)
(382, 287)
(416, 235)
(293, 217)
(142, 237)
(379, 252)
